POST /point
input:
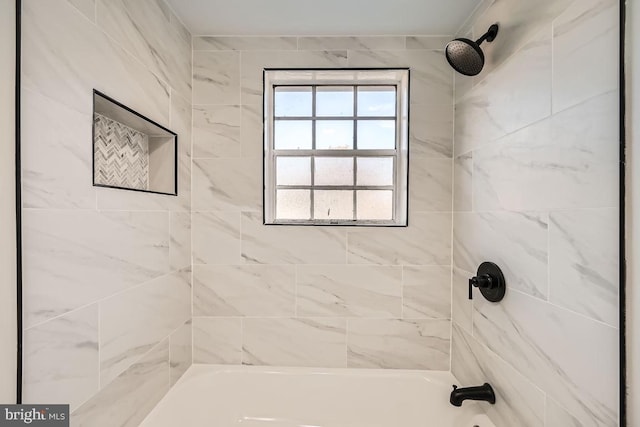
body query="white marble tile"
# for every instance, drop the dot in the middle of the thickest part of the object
(512, 97)
(352, 43)
(461, 305)
(583, 262)
(127, 400)
(121, 200)
(56, 155)
(181, 345)
(291, 244)
(254, 62)
(133, 322)
(244, 43)
(295, 342)
(180, 243)
(568, 161)
(182, 123)
(463, 85)
(431, 130)
(216, 131)
(217, 340)
(176, 23)
(562, 353)
(245, 290)
(518, 401)
(463, 182)
(426, 241)
(216, 238)
(516, 241)
(87, 7)
(426, 292)
(430, 184)
(61, 359)
(585, 51)
(143, 28)
(431, 76)
(400, 344)
(557, 416)
(227, 184)
(216, 78)
(65, 56)
(519, 23)
(64, 251)
(349, 291)
(251, 135)
(428, 42)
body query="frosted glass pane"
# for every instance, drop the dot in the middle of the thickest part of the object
(334, 101)
(377, 101)
(292, 134)
(293, 101)
(333, 204)
(375, 204)
(334, 171)
(377, 134)
(293, 204)
(293, 171)
(375, 171)
(334, 134)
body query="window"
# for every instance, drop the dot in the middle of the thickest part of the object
(336, 147)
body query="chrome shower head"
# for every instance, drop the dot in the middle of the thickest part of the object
(465, 56)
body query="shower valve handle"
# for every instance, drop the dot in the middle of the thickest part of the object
(483, 281)
(490, 280)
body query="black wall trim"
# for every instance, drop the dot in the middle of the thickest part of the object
(622, 225)
(18, 200)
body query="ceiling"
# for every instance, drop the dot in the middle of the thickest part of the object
(323, 17)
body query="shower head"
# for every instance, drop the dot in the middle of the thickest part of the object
(465, 56)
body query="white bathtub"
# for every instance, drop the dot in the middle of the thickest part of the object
(221, 396)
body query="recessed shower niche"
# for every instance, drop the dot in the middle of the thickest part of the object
(130, 151)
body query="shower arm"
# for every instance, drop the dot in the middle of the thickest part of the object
(489, 36)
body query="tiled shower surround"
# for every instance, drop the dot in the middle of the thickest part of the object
(114, 279)
(536, 191)
(317, 296)
(107, 273)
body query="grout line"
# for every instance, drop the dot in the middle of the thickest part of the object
(89, 304)
(548, 236)
(99, 345)
(402, 291)
(295, 290)
(346, 342)
(564, 309)
(242, 341)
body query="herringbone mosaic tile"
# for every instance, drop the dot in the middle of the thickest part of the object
(121, 154)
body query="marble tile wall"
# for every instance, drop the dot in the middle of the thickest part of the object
(107, 273)
(317, 296)
(536, 190)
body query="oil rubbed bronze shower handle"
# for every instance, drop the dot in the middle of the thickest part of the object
(490, 281)
(482, 281)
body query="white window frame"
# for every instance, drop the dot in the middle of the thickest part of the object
(398, 77)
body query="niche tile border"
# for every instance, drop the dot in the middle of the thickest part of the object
(142, 131)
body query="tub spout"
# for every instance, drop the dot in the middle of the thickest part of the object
(483, 392)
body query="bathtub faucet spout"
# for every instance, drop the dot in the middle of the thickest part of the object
(483, 392)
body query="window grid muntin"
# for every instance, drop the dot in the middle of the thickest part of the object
(354, 152)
